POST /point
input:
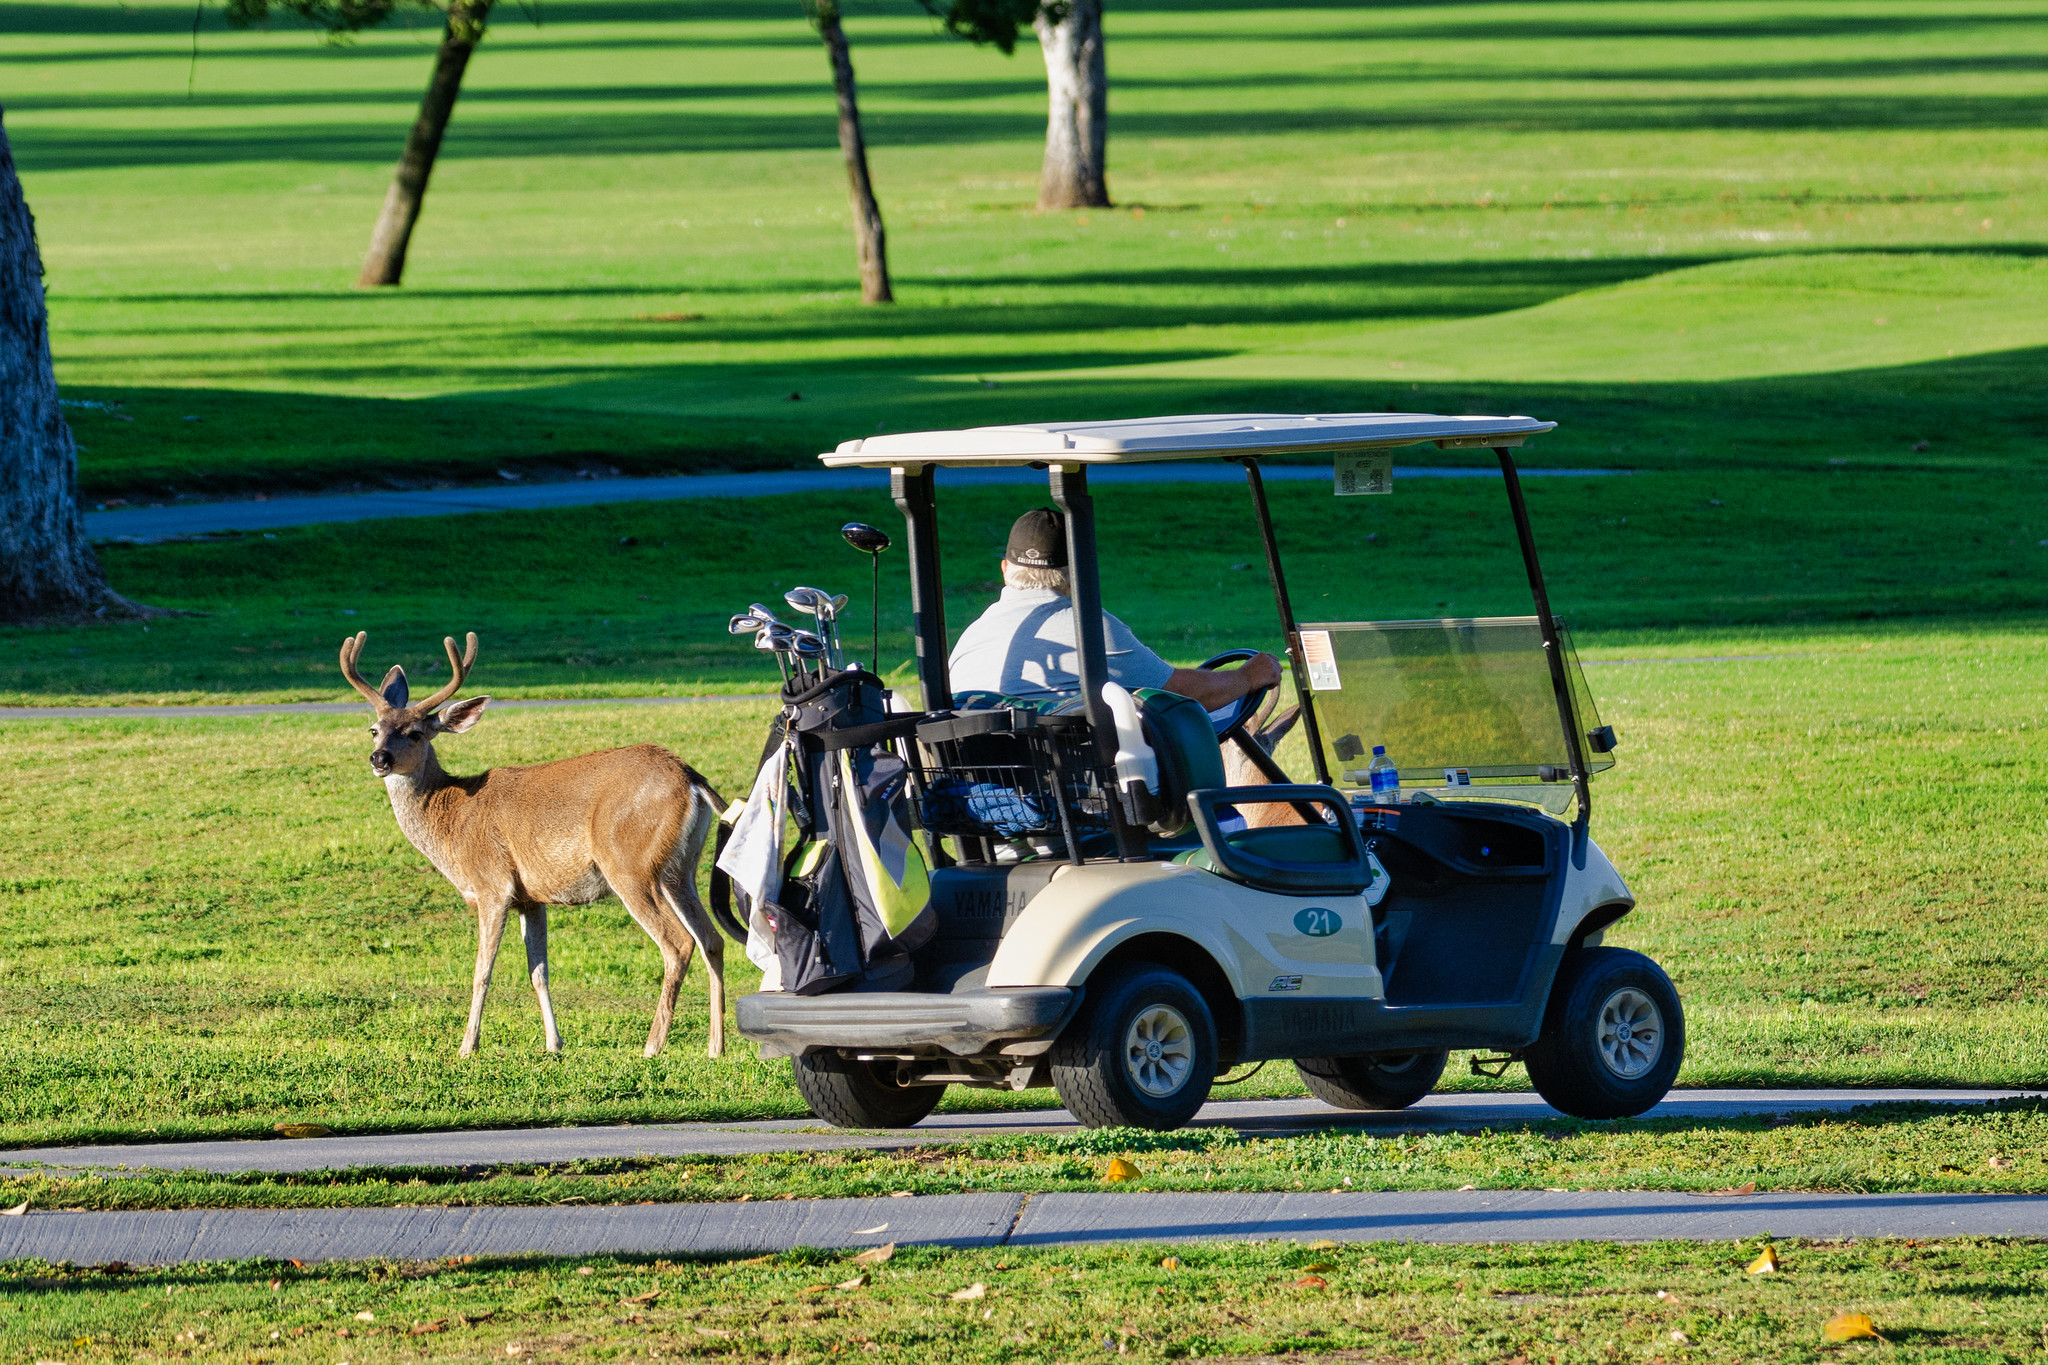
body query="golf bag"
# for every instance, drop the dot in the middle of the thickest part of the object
(854, 895)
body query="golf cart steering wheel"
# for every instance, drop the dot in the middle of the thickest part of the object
(1245, 707)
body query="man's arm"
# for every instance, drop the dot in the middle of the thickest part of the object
(1219, 687)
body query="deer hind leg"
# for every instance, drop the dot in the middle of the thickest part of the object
(680, 891)
(643, 903)
(533, 928)
(490, 931)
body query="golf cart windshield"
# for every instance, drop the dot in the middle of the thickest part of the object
(1455, 702)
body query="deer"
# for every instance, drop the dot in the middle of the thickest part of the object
(630, 822)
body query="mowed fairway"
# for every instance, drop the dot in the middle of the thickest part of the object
(1757, 228)
(1783, 261)
(214, 926)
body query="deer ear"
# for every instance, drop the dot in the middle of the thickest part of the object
(459, 716)
(394, 688)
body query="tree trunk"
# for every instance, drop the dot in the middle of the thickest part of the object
(465, 29)
(870, 243)
(47, 567)
(1077, 123)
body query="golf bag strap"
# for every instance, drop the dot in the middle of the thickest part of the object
(861, 736)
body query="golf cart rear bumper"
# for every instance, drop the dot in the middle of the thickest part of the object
(967, 1024)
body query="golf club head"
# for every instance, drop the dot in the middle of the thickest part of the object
(865, 538)
(767, 616)
(806, 600)
(838, 604)
(744, 623)
(806, 642)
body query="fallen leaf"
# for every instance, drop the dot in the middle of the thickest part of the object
(585, 1270)
(1322, 1244)
(304, 1130)
(649, 1297)
(1118, 1170)
(513, 1348)
(300, 1264)
(814, 1289)
(1170, 1263)
(1311, 1282)
(1463, 1188)
(869, 1232)
(903, 1194)
(745, 1199)
(1999, 1163)
(973, 1291)
(366, 1316)
(1766, 1262)
(876, 1255)
(1680, 1337)
(421, 1329)
(1318, 1267)
(857, 1282)
(785, 1196)
(16, 1211)
(1746, 1187)
(721, 1334)
(1849, 1327)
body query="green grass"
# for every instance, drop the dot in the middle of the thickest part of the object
(1766, 230)
(214, 926)
(1884, 1148)
(633, 599)
(1961, 1299)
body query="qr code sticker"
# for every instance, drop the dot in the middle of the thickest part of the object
(1365, 473)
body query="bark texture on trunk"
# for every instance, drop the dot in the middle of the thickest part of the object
(1077, 122)
(388, 241)
(47, 566)
(870, 243)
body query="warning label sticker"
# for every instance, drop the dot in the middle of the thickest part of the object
(1322, 661)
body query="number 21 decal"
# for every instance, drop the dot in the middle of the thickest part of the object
(1317, 922)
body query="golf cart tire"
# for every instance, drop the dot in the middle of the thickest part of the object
(853, 1094)
(1578, 1066)
(1092, 1065)
(1386, 1080)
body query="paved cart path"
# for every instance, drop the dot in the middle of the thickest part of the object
(147, 524)
(980, 1220)
(1260, 1118)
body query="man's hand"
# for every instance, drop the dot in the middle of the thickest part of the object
(1215, 688)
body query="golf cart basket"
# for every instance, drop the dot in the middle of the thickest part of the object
(1008, 772)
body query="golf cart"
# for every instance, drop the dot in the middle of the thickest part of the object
(995, 892)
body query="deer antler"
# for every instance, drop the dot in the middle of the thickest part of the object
(458, 669)
(352, 650)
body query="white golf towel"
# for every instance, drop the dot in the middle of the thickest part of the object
(753, 859)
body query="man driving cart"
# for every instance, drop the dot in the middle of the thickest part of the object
(1023, 645)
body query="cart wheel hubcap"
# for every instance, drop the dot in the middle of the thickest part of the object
(1159, 1050)
(1631, 1033)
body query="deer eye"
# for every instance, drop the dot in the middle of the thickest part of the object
(414, 734)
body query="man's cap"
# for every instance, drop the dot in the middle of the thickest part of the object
(1039, 539)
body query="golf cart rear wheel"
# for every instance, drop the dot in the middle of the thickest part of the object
(1141, 1054)
(853, 1094)
(1613, 1039)
(1381, 1080)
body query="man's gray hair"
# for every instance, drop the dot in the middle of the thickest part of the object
(1024, 577)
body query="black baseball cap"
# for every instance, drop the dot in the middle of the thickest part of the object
(1039, 539)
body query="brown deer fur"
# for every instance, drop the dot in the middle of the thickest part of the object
(1240, 771)
(630, 822)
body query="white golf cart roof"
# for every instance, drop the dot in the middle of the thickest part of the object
(1228, 435)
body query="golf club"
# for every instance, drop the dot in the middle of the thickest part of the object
(813, 602)
(870, 542)
(765, 640)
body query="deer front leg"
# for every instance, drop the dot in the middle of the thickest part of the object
(696, 921)
(490, 931)
(533, 928)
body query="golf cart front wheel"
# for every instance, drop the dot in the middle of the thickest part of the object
(1141, 1054)
(1613, 1038)
(854, 1094)
(1382, 1080)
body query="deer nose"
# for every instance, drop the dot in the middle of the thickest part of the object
(380, 759)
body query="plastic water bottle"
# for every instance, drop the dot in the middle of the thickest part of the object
(1385, 778)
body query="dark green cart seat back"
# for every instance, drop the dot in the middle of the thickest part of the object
(1281, 843)
(1184, 741)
